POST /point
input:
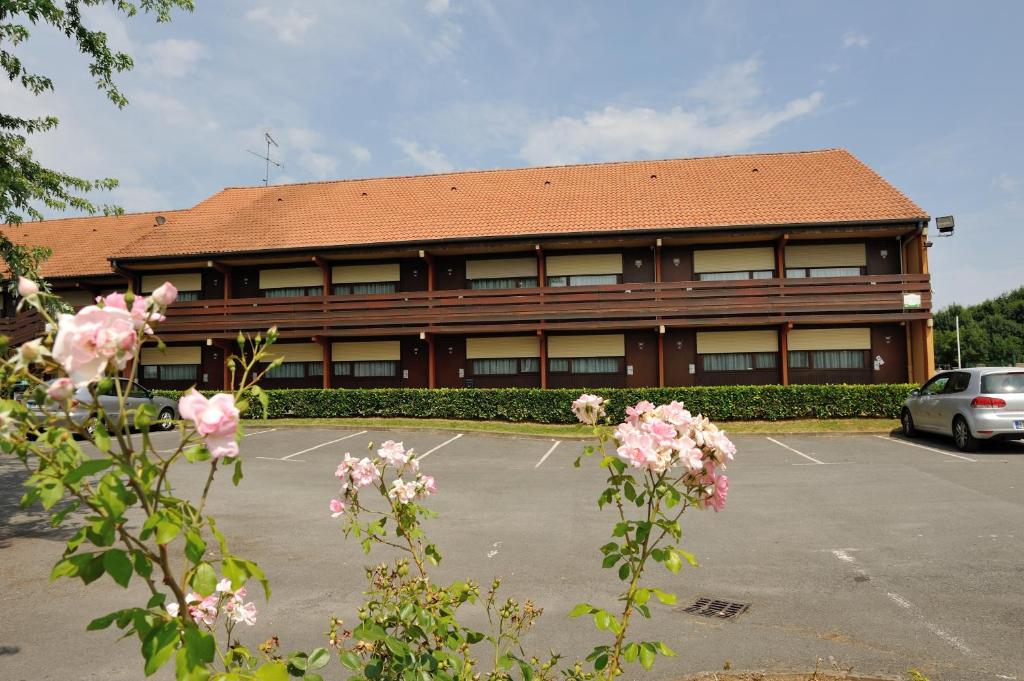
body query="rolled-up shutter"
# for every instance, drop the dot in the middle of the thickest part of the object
(827, 255)
(171, 355)
(186, 281)
(734, 259)
(830, 339)
(358, 274)
(297, 352)
(501, 268)
(590, 263)
(503, 347)
(714, 342)
(366, 351)
(603, 345)
(77, 298)
(291, 277)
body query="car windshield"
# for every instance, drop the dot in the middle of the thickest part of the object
(1003, 383)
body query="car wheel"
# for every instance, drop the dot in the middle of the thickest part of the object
(166, 419)
(907, 423)
(962, 437)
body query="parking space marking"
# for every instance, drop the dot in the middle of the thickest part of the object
(930, 449)
(545, 457)
(286, 458)
(785, 446)
(431, 451)
(260, 432)
(274, 458)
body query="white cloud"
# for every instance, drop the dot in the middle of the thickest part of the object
(289, 26)
(173, 58)
(726, 118)
(431, 160)
(855, 39)
(445, 43)
(360, 154)
(1006, 183)
(172, 111)
(438, 6)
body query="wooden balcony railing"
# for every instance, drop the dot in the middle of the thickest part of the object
(836, 300)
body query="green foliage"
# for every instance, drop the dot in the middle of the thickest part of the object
(24, 182)
(991, 332)
(720, 403)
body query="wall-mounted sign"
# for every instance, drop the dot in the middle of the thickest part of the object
(911, 300)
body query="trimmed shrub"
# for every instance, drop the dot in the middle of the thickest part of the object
(720, 403)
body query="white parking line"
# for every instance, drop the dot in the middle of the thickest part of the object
(785, 446)
(286, 458)
(431, 451)
(545, 457)
(930, 449)
(260, 432)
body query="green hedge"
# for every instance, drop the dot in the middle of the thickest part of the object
(721, 403)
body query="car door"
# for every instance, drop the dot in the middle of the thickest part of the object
(925, 416)
(948, 402)
(133, 399)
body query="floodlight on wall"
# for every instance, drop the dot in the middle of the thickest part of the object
(945, 224)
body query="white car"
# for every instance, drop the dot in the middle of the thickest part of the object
(82, 408)
(971, 405)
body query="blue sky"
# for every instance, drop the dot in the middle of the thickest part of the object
(927, 93)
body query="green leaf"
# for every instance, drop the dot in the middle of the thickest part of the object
(581, 609)
(318, 658)
(102, 622)
(100, 436)
(200, 646)
(624, 571)
(642, 596)
(672, 562)
(602, 620)
(166, 530)
(90, 467)
(50, 492)
(204, 579)
(195, 547)
(143, 567)
(688, 557)
(118, 566)
(273, 671)
(665, 650)
(610, 560)
(601, 662)
(350, 660)
(665, 597)
(236, 477)
(158, 645)
(631, 652)
(646, 655)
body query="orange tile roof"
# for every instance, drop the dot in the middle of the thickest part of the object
(82, 246)
(825, 186)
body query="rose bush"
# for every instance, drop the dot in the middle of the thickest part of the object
(660, 461)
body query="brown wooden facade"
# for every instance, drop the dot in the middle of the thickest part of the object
(655, 324)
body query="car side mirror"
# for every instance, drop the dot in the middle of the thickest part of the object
(915, 393)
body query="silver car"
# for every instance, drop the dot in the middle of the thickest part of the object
(166, 409)
(970, 404)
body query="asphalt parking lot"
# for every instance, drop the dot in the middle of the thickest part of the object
(864, 551)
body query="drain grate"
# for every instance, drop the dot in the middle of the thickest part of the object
(713, 607)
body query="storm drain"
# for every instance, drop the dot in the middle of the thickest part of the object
(713, 607)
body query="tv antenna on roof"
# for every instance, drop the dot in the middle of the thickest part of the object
(266, 157)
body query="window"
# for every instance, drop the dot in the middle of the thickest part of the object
(314, 368)
(936, 385)
(288, 370)
(185, 296)
(367, 369)
(727, 276)
(170, 372)
(504, 282)
(739, 361)
(586, 365)
(293, 291)
(505, 367)
(958, 382)
(585, 280)
(364, 289)
(828, 359)
(802, 272)
(1003, 383)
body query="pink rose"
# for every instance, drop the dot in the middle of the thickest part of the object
(92, 339)
(140, 312)
(404, 492)
(165, 294)
(634, 414)
(363, 472)
(393, 453)
(215, 419)
(716, 490)
(337, 508)
(427, 485)
(61, 390)
(27, 288)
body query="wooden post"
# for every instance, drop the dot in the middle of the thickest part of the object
(541, 267)
(325, 345)
(784, 351)
(543, 344)
(780, 256)
(657, 261)
(430, 269)
(661, 356)
(431, 361)
(226, 349)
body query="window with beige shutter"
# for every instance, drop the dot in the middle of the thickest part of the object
(738, 350)
(189, 284)
(355, 280)
(832, 348)
(500, 273)
(720, 264)
(503, 355)
(291, 282)
(366, 359)
(587, 354)
(173, 363)
(826, 260)
(590, 269)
